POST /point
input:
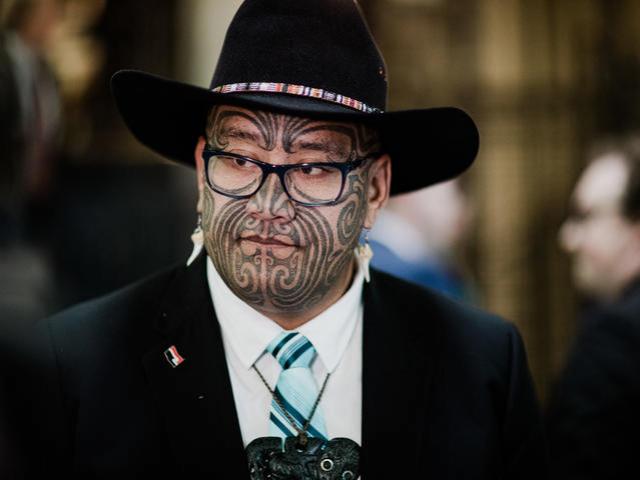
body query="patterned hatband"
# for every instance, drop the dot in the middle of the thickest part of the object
(301, 90)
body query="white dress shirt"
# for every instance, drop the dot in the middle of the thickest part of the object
(336, 335)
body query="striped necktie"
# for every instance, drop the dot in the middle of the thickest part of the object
(296, 388)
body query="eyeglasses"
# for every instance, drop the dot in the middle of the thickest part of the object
(309, 184)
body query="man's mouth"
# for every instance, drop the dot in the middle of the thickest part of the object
(277, 241)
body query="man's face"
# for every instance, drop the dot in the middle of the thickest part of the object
(283, 258)
(604, 245)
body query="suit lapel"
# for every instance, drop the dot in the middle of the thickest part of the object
(398, 365)
(194, 398)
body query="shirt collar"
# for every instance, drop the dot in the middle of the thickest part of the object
(249, 332)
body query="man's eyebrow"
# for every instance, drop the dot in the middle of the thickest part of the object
(322, 146)
(236, 132)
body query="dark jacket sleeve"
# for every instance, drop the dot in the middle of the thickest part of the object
(592, 416)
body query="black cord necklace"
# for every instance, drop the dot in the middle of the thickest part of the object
(302, 457)
(302, 432)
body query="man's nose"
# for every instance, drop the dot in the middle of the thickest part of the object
(271, 201)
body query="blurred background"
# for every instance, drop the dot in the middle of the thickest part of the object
(85, 209)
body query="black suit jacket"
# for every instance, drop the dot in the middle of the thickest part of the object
(593, 414)
(446, 388)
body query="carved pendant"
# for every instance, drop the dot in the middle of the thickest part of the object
(313, 459)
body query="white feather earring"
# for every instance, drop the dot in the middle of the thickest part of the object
(364, 253)
(197, 237)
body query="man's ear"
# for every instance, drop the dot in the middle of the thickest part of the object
(379, 188)
(197, 154)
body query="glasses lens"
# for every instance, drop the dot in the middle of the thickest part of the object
(314, 183)
(234, 176)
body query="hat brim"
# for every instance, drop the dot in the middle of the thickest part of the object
(426, 146)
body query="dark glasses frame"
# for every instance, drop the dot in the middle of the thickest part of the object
(281, 170)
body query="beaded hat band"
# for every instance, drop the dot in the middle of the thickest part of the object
(300, 90)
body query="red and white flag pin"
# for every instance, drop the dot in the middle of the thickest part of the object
(172, 356)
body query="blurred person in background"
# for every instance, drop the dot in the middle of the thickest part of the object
(30, 105)
(29, 127)
(593, 416)
(417, 235)
(29, 133)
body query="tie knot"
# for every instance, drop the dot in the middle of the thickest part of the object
(292, 349)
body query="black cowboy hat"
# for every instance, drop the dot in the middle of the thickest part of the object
(307, 58)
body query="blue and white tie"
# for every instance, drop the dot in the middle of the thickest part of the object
(296, 387)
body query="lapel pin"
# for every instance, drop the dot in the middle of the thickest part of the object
(172, 356)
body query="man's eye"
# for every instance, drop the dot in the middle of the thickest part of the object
(311, 171)
(240, 162)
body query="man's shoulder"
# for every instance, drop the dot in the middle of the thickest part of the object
(467, 340)
(423, 304)
(424, 311)
(613, 329)
(125, 307)
(629, 307)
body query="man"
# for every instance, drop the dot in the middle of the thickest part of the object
(275, 352)
(592, 415)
